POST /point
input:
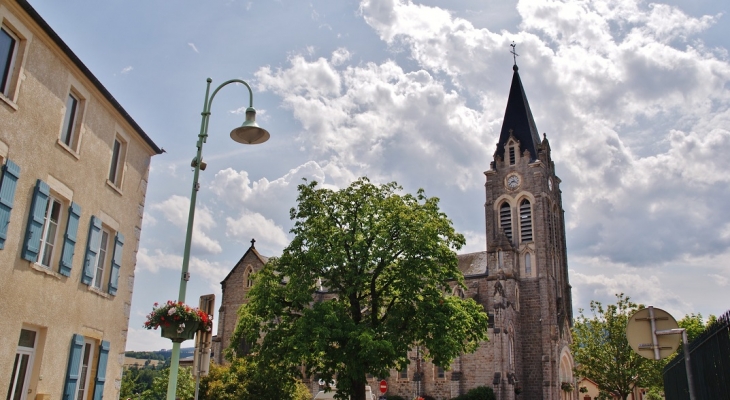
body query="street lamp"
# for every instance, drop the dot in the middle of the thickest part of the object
(248, 133)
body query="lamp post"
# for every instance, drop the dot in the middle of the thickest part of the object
(248, 133)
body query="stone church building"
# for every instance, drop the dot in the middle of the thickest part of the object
(521, 280)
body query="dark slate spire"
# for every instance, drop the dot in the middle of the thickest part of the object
(518, 119)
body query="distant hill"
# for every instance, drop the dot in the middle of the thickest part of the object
(161, 355)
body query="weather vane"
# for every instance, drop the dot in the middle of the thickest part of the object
(514, 55)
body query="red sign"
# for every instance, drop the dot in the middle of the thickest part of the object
(383, 386)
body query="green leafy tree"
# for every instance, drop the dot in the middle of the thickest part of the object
(244, 379)
(695, 324)
(602, 352)
(388, 259)
(185, 385)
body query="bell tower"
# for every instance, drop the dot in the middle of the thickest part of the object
(527, 263)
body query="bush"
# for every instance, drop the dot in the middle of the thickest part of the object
(478, 393)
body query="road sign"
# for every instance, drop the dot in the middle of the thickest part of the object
(383, 386)
(645, 336)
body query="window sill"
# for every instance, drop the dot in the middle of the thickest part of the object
(9, 102)
(113, 186)
(46, 270)
(68, 149)
(99, 292)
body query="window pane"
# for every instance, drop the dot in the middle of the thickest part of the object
(53, 214)
(69, 120)
(27, 338)
(115, 161)
(101, 259)
(7, 48)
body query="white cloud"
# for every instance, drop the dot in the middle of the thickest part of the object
(127, 70)
(192, 46)
(156, 260)
(340, 56)
(254, 225)
(176, 210)
(719, 279)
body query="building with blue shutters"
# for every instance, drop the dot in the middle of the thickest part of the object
(72, 190)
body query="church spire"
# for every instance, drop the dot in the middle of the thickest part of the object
(518, 120)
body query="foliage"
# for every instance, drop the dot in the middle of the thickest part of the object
(177, 313)
(566, 387)
(158, 390)
(583, 389)
(695, 325)
(244, 379)
(394, 397)
(478, 393)
(602, 352)
(388, 258)
(654, 394)
(145, 355)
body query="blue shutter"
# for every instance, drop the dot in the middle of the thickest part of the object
(116, 263)
(101, 370)
(92, 249)
(36, 216)
(11, 172)
(69, 240)
(74, 362)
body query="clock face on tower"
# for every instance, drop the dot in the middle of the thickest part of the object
(513, 181)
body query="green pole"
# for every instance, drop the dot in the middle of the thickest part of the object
(185, 276)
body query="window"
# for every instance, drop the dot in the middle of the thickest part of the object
(86, 357)
(103, 259)
(44, 226)
(512, 155)
(248, 280)
(505, 219)
(8, 184)
(8, 55)
(23, 365)
(403, 373)
(84, 368)
(116, 168)
(526, 221)
(528, 264)
(50, 232)
(440, 373)
(71, 129)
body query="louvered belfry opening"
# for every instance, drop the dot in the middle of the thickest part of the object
(526, 221)
(505, 219)
(512, 155)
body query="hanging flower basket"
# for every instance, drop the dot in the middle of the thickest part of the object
(180, 333)
(178, 321)
(566, 386)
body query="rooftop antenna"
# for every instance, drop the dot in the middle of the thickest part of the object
(514, 54)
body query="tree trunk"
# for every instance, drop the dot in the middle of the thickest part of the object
(358, 391)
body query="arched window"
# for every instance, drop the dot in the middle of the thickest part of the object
(505, 219)
(526, 221)
(517, 298)
(247, 279)
(528, 265)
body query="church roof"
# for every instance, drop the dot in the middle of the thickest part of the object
(251, 250)
(473, 263)
(518, 119)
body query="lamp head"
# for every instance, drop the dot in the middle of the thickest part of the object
(250, 132)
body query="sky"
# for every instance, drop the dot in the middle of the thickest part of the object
(634, 97)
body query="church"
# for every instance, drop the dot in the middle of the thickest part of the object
(521, 280)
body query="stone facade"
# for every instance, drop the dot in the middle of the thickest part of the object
(521, 280)
(72, 192)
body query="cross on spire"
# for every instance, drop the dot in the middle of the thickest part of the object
(252, 242)
(514, 54)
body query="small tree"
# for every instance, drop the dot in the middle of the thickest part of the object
(602, 352)
(388, 261)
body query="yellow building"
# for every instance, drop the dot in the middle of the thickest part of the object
(72, 191)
